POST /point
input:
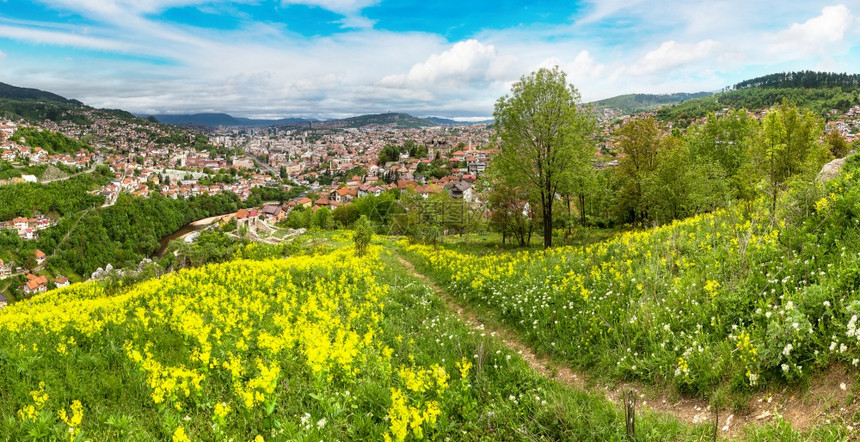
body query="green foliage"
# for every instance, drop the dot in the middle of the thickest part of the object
(819, 100)
(8, 171)
(60, 198)
(322, 219)
(836, 144)
(545, 138)
(803, 79)
(126, 232)
(362, 236)
(345, 215)
(36, 112)
(53, 142)
(639, 141)
(436, 169)
(731, 300)
(392, 152)
(299, 218)
(260, 195)
(788, 146)
(635, 103)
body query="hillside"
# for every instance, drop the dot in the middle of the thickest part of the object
(10, 92)
(722, 304)
(35, 106)
(325, 347)
(389, 120)
(222, 119)
(823, 93)
(634, 103)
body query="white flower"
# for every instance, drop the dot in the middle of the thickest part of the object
(787, 350)
(784, 367)
(827, 303)
(842, 386)
(321, 423)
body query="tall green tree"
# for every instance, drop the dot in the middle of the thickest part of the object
(545, 138)
(639, 140)
(836, 144)
(725, 141)
(788, 145)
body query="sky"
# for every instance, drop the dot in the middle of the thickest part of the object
(339, 58)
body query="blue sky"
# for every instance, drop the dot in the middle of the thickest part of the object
(337, 58)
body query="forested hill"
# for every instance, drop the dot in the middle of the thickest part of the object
(826, 94)
(803, 79)
(633, 103)
(10, 92)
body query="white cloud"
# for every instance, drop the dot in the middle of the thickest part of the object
(63, 39)
(584, 67)
(344, 7)
(2, 55)
(816, 36)
(606, 8)
(465, 63)
(264, 68)
(671, 54)
(350, 9)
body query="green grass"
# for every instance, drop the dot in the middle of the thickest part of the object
(90, 357)
(721, 305)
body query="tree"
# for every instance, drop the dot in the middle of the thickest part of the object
(836, 143)
(788, 145)
(509, 212)
(668, 186)
(639, 141)
(362, 236)
(725, 141)
(544, 138)
(322, 218)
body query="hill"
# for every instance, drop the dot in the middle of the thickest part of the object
(730, 301)
(634, 103)
(388, 120)
(450, 122)
(393, 120)
(324, 347)
(823, 93)
(35, 106)
(10, 92)
(222, 119)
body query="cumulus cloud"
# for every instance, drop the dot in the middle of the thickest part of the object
(816, 36)
(264, 67)
(585, 67)
(671, 54)
(466, 62)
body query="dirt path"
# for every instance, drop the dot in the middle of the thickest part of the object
(825, 399)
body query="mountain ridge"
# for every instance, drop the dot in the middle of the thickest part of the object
(22, 93)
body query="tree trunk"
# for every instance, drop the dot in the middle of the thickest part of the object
(582, 209)
(547, 223)
(569, 215)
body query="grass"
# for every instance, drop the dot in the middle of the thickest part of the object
(270, 342)
(719, 306)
